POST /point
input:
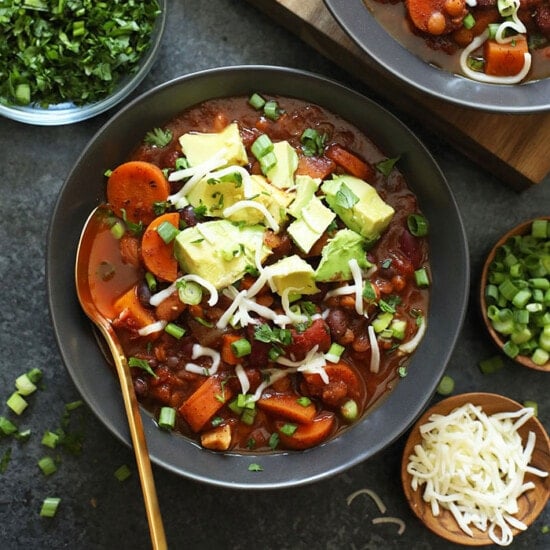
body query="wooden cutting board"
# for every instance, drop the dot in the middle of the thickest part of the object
(514, 147)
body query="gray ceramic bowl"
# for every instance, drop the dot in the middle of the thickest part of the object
(84, 189)
(372, 38)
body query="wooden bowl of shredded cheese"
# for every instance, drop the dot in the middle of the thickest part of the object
(475, 469)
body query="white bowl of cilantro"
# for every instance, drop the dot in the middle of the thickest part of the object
(64, 62)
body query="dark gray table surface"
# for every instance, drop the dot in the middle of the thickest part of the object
(97, 511)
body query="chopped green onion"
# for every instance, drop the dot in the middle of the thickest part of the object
(50, 439)
(47, 465)
(421, 277)
(167, 418)
(256, 101)
(491, 365)
(24, 385)
(241, 347)
(418, 225)
(261, 146)
(272, 110)
(174, 330)
(5, 460)
(273, 440)
(446, 385)
(350, 410)
(303, 401)
(35, 375)
(334, 352)
(189, 292)
(7, 427)
(122, 473)
(469, 21)
(16, 403)
(151, 281)
(532, 405)
(167, 232)
(22, 94)
(289, 429)
(267, 162)
(49, 507)
(118, 230)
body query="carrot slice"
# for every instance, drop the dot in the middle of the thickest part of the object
(205, 402)
(130, 309)
(287, 406)
(226, 352)
(307, 435)
(133, 188)
(351, 163)
(157, 255)
(338, 373)
(505, 59)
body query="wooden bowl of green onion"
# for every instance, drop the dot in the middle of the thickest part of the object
(515, 293)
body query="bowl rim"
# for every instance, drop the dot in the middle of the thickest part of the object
(357, 21)
(519, 229)
(67, 113)
(414, 498)
(75, 339)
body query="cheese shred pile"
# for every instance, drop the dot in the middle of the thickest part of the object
(474, 466)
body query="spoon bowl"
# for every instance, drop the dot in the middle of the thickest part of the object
(103, 324)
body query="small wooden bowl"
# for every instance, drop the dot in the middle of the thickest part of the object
(531, 503)
(521, 229)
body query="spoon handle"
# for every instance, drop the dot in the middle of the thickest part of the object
(152, 509)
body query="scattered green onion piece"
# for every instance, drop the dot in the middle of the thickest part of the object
(5, 460)
(50, 439)
(47, 465)
(118, 230)
(421, 278)
(167, 232)
(350, 410)
(532, 405)
(469, 21)
(398, 328)
(334, 352)
(256, 101)
(248, 416)
(491, 365)
(241, 347)
(540, 357)
(16, 403)
(151, 281)
(35, 375)
(418, 225)
(122, 473)
(7, 427)
(273, 440)
(261, 146)
(382, 321)
(24, 385)
(267, 162)
(446, 385)
(510, 349)
(49, 507)
(167, 418)
(540, 229)
(288, 429)
(189, 292)
(272, 110)
(174, 330)
(545, 529)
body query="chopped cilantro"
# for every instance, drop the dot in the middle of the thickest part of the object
(158, 137)
(135, 362)
(345, 197)
(386, 166)
(255, 468)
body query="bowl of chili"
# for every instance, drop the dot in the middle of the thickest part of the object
(451, 63)
(67, 63)
(515, 293)
(181, 103)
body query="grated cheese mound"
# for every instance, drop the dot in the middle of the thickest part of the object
(474, 465)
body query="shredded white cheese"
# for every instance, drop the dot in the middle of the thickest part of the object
(474, 466)
(372, 494)
(241, 205)
(152, 328)
(374, 350)
(243, 379)
(390, 519)
(203, 351)
(412, 344)
(159, 297)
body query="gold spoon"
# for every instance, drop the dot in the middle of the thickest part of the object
(156, 528)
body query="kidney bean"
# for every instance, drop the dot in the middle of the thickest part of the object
(188, 216)
(337, 321)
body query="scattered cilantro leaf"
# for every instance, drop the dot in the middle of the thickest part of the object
(158, 137)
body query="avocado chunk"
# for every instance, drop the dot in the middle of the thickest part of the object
(306, 187)
(358, 205)
(199, 147)
(281, 174)
(315, 218)
(339, 250)
(219, 251)
(292, 272)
